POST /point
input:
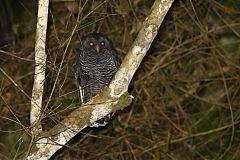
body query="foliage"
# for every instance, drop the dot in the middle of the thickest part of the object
(186, 91)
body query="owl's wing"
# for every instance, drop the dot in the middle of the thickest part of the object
(78, 75)
(116, 59)
(83, 82)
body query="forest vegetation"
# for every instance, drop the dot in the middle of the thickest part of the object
(186, 91)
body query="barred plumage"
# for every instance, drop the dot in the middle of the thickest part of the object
(95, 65)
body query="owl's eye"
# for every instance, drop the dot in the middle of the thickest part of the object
(91, 43)
(102, 43)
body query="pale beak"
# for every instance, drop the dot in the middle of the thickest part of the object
(98, 48)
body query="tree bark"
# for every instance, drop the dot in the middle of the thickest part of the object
(40, 65)
(113, 98)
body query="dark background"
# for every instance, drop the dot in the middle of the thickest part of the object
(186, 90)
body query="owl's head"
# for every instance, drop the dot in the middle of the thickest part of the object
(96, 43)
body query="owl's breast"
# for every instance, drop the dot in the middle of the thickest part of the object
(100, 68)
(107, 70)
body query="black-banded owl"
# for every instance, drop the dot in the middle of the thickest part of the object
(95, 65)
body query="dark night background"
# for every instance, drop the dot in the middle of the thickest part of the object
(187, 97)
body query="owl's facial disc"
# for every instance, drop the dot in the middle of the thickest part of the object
(96, 43)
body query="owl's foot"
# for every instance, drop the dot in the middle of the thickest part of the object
(98, 94)
(94, 97)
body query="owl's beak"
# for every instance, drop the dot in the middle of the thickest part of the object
(98, 48)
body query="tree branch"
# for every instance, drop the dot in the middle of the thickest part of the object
(40, 64)
(113, 98)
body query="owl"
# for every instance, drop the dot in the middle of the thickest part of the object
(95, 65)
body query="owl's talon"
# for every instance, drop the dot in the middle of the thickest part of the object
(98, 94)
(94, 97)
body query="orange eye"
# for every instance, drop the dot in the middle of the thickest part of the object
(91, 43)
(102, 43)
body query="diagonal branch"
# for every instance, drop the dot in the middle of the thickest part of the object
(40, 64)
(113, 98)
